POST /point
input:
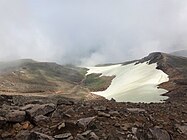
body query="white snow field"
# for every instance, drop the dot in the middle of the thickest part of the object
(133, 83)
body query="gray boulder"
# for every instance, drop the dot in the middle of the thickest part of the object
(84, 122)
(41, 120)
(159, 134)
(37, 110)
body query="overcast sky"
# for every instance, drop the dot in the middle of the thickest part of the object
(90, 31)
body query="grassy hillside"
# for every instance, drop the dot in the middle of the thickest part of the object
(96, 83)
(32, 76)
(28, 76)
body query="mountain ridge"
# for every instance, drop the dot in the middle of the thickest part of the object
(50, 76)
(81, 115)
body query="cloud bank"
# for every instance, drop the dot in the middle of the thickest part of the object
(90, 31)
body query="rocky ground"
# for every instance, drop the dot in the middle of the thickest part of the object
(66, 119)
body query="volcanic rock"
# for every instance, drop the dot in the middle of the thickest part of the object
(6, 135)
(182, 128)
(86, 133)
(126, 126)
(27, 107)
(40, 120)
(84, 122)
(103, 114)
(16, 116)
(2, 121)
(64, 102)
(26, 125)
(99, 108)
(136, 110)
(80, 137)
(64, 136)
(62, 125)
(159, 134)
(39, 136)
(40, 109)
(22, 135)
(93, 136)
(71, 123)
(113, 113)
(17, 126)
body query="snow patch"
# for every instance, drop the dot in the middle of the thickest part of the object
(133, 83)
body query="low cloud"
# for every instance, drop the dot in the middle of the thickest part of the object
(90, 32)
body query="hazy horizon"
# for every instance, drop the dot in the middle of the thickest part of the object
(90, 32)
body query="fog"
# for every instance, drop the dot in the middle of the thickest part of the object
(90, 32)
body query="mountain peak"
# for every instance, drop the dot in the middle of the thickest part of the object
(152, 57)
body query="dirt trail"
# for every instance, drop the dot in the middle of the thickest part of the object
(25, 94)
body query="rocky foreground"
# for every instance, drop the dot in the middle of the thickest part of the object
(65, 119)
